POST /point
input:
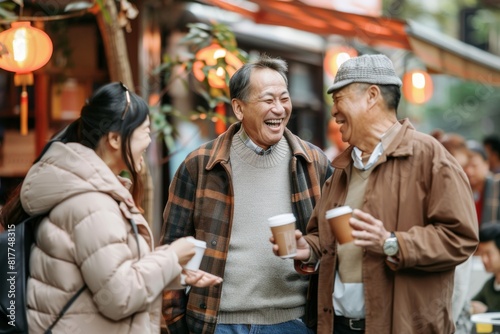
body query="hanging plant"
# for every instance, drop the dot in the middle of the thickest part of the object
(212, 58)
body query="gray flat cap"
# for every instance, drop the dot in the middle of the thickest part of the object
(372, 69)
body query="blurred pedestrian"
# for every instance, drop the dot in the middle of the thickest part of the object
(413, 222)
(224, 192)
(485, 186)
(87, 238)
(457, 146)
(491, 145)
(488, 298)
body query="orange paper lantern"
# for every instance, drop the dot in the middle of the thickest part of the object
(27, 48)
(209, 57)
(417, 86)
(24, 50)
(336, 56)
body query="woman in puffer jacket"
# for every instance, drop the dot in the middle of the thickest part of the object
(88, 239)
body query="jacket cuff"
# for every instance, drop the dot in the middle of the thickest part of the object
(305, 268)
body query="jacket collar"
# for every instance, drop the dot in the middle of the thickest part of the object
(221, 148)
(399, 147)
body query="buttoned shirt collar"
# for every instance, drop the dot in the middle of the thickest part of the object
(251, 145)
(385, 140)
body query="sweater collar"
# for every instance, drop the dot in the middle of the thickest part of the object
(241, 134)
(219, 151)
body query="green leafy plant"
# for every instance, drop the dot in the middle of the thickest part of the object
(180, 69)
(7, 9)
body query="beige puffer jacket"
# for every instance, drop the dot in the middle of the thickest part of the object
(88, 240)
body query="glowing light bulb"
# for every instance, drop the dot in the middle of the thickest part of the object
(220, 53)
(418, 80)
(20, 46)
(341, 58)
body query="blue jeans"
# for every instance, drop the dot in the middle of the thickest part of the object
(289, 327)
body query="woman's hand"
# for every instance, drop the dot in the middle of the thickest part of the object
(200, 279)
(184, 250)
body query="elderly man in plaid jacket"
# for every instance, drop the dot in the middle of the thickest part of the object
(223, 194)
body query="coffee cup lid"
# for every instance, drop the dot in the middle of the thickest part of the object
(342, 210)
(282, 219)
(196, 242)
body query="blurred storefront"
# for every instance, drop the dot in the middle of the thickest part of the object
(439, 52)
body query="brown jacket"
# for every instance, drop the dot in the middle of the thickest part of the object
(420, 192)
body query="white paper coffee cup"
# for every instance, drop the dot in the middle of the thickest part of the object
(338, 218)
(200, 246)
(283, 229)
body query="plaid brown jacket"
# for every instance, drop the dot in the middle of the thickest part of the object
(200, 204)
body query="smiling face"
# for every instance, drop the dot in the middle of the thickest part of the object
(349, 110)
(334, 135)
(265, 114)
(139, 142)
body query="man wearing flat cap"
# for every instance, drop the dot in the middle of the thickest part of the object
(413, 222)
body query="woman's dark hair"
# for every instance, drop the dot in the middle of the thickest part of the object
(111, 108)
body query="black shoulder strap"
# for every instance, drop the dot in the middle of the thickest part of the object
(79, 292)
(65, 308)
(136, 233)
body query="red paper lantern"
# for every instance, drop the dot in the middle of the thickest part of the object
(209, 57)
(336, 56)
(27, 48)
(24, 50)
(417, 86)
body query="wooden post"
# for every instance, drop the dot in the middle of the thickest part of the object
(115, 46)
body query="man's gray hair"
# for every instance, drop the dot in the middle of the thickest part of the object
(239, 84)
